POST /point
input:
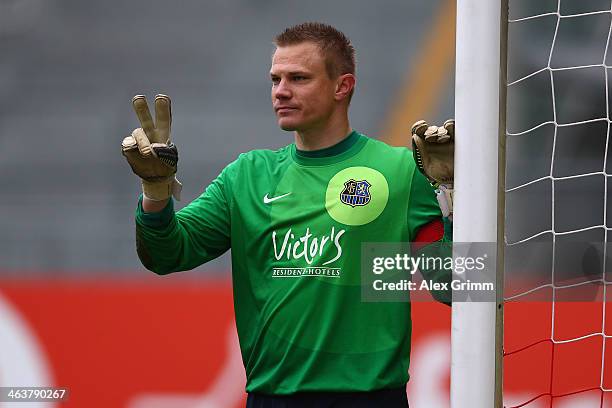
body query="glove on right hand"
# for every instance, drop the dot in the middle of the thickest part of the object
(149, 151)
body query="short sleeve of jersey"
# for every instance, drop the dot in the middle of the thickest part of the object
(169, 241)
(422, 206)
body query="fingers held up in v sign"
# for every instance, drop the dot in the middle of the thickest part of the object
(157, 132)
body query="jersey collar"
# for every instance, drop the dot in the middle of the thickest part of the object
(333, 154)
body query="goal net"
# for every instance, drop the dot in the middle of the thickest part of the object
(556, 331)
(532, 108)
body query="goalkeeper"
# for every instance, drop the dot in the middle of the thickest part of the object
(295, 219)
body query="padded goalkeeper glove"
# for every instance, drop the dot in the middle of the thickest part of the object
(149, 151)
(434, 152)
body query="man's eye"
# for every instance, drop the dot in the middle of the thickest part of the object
(275, 81)
(299, 78)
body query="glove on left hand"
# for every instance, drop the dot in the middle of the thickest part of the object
(434, 152)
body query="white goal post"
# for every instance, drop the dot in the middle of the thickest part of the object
(480, 89)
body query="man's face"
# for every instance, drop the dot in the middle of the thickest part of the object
(302, 91)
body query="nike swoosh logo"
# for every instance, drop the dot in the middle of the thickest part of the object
(268, 200)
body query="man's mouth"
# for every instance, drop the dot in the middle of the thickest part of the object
(284, 109)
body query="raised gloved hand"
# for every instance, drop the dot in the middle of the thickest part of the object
(434, 152)
(149, 151)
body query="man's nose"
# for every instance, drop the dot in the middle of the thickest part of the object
(282, 90)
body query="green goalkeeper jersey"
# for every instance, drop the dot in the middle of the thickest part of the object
(295, 222)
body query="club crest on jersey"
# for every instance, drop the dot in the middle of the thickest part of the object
(356, 193)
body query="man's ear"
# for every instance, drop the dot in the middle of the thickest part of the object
(344, 86)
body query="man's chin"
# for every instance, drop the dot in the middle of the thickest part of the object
(288, 126)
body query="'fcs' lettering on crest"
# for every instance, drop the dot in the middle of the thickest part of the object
(356, 193)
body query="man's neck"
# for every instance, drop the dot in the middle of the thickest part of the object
(317, 139)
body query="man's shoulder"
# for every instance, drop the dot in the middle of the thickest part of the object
(265, 154)
(259, 159)
(379, 147)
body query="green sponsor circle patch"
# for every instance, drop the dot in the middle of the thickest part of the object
(356, 195)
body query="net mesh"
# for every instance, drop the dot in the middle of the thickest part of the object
(556, 342)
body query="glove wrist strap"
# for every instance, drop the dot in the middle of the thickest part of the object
(160, 190)
(444, 195)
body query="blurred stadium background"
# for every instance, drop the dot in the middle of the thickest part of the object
(71, 69)
(76, 307)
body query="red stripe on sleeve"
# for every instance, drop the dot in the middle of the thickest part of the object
(428, 233)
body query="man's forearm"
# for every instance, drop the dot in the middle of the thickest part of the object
(152, 206)
(435, 242)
